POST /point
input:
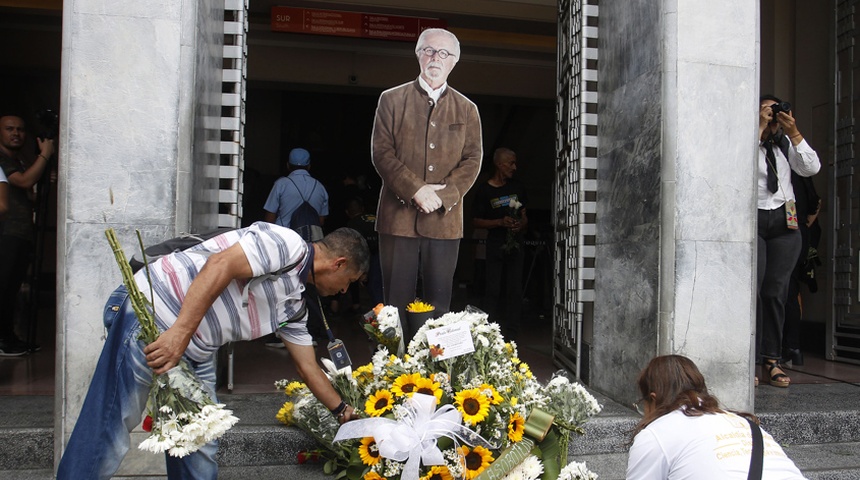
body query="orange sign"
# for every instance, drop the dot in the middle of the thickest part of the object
(351, 24)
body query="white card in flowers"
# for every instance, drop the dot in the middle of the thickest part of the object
(450, 341)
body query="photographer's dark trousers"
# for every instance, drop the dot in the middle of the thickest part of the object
(14, 259)
(778, 248)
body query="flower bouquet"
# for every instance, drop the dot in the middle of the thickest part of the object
(382, 325)
(181, 416)
(512, 238)
(417, 313)
(459, 404)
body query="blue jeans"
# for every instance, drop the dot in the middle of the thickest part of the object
(115, 403)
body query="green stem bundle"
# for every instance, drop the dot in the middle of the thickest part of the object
(141, 305)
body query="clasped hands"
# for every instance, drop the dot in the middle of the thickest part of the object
(426, 198)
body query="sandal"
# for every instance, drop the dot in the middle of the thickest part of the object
(778, 378)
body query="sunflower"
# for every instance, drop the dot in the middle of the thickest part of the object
(363, 374)
(378, 403)
(291, 388)
(285, 414)
(371, 475)
(405, 384)
(429, 387)
(438, 472)
(473, 405)
(368, 451)
(419, 307)
(475, 460)
(495, 397)
(516, 427)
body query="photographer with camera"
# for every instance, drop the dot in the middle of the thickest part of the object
(782, 149)
(17, 237)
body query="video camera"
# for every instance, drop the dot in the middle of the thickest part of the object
(48, 123)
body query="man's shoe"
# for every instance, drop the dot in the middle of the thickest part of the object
(11, 349)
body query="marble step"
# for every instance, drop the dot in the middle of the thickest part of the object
(819, 426)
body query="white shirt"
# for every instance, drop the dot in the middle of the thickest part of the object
(801, 158)
(434, 94)
(270, 300)
(708, 447)
(3, 177)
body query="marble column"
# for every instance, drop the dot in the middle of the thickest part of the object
(140, 107)
(675, 269)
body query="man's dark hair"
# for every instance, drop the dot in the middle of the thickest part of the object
(768, 96)
(11, 113)
(346, 242)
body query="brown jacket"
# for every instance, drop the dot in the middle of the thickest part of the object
(416, 143)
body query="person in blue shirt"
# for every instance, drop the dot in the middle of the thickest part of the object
(291, 191)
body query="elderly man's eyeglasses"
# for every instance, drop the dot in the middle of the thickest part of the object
(443, 54)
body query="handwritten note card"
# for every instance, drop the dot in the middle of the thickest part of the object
(450, 341)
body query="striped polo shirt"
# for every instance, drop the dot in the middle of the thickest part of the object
(271, 300)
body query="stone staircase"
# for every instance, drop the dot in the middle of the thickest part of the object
(818, 425)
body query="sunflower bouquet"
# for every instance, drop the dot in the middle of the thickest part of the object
(448, 410)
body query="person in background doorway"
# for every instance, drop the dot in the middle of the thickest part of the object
(17, 238)
(426, 147)
(808, 207)
(363, 223)
(499, 207)
(291, 191)
(685, 435)
(782, 149)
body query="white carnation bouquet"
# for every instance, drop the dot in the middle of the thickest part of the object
(181, 416)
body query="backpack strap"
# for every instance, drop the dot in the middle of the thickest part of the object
(300, 192)
(757, 456)
(268, 276)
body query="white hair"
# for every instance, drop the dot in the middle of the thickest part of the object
(438, 31)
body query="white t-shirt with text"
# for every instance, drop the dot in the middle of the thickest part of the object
(707, 447)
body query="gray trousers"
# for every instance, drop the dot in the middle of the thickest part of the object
(402, 259)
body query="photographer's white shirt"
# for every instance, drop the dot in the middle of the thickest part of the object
(713, 446)
(3, 177)
(801, 158)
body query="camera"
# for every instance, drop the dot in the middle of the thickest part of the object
(49, 124)
(780, 107)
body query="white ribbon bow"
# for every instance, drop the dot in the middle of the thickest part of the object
(413, 438)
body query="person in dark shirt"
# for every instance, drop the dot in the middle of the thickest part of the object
(499, 207)
(18, 232)
(364, 224)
